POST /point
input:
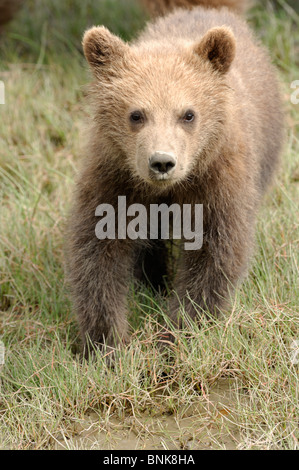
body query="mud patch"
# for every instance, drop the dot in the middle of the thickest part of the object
(206, 424)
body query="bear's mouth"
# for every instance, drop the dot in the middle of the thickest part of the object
(161, 181)
(162, 177)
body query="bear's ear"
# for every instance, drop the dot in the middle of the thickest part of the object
(102, 48)
(218, 46)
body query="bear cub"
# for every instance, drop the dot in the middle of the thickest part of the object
(188, 113)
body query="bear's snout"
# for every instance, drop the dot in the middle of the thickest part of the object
(162, 163)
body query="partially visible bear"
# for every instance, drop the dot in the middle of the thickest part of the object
(160, 7)
(189, 113)
(8, 9)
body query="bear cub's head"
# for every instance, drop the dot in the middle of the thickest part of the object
(161, 104)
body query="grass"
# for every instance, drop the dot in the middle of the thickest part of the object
(48, 397)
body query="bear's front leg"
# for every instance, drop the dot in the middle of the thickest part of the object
(206, 278)
(99, 276)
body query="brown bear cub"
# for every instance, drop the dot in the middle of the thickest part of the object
(189, 113)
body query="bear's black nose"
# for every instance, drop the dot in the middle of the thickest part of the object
(162, 162)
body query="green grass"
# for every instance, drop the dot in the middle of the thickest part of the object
(47, 392)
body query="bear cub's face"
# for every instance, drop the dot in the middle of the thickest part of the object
(162, 106)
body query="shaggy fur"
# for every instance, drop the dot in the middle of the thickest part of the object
(161, 7)
(207, 61)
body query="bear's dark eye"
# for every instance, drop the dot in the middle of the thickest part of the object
(136, 117)
(188, 116)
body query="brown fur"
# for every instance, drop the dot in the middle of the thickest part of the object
(161, 7)
(225, 159)
(8, 9)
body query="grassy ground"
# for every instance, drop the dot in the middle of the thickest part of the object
(48, 397)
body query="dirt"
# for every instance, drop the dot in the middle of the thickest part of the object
(208, 424)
